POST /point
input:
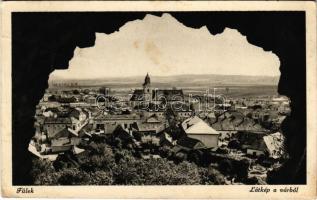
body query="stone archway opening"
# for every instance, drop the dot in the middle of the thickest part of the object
(52, 45)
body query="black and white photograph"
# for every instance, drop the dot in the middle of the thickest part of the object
(161, 98)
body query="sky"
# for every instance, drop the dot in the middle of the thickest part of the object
(162, 46)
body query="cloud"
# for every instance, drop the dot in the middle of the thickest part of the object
(163, 46)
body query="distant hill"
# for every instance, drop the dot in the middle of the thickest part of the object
(188, 80)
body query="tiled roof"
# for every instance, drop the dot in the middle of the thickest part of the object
(144, 127)
(275, 144)
(258, 144)
(58, 120)
(190, 143)
(63, 133)
(169, 95)
(195, 125)
(117, 117)
(153, 119)
(86, 129)
(122, 133)
(236, 121)
(74, 113)
(252, 140)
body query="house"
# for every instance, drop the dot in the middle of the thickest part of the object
(187, 144)
(49, 114)
(79, 118)
(274, 144)
(63, 141)
(52, 125)
(149, 127)
(211, 117)
(182, 110)
(280, 99)
(108, 123)
(147, 157)
(90, 100)
(166, 139)
(46, 96)
(124, 134)
(64, 133)
(150, 139)
(76, 150)
(246, 138)
(196, 128)
(35, 152)
(262, 143)
(256, 148)
(86, 131)
(270, 145)
(184, 114)
(74, 119)
(61, 145)
(66, 99)
(154, 119)
(231, 122)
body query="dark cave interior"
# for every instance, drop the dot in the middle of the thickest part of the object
(43, 42)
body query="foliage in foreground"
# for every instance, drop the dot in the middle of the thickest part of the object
(104, 166)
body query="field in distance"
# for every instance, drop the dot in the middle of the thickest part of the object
(229, 85)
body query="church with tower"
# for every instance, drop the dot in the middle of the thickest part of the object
(148, 94)
(147, 90)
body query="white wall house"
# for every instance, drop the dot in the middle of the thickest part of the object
(196, 128)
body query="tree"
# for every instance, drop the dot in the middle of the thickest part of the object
(241, 169)
(186, 174)
(175, 131)
(105, 165)
(165, 151)
(249, 115)
(226, 167)
(215, 176)
(101, 157)
(101, 178)
(234, 144)
(76, 92)
(125, 172)
(118, 142)
(61, 162)
(48, 178)
(195, 157)
(73, 176)
(41, 165)
(180, 157)
(43, 172)
(86, 91)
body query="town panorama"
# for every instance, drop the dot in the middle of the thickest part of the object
(98, 135)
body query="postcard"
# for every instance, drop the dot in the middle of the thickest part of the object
(158, 99)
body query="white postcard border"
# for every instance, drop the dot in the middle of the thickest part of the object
(214, 191)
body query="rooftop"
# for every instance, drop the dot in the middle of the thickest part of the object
(190, 143)
(195, 125)
(58, 120)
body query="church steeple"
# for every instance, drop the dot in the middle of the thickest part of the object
(147, 80)
(147, 90)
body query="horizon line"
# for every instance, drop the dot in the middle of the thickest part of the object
(59, 78)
